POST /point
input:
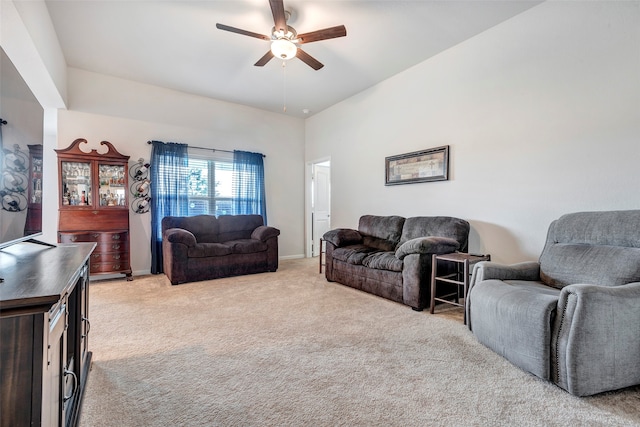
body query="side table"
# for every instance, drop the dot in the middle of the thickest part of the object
(322, 251)
(458, 278)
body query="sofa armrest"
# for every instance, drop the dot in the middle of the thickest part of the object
(343, 237)
(595, 342)
(180, 235)
(264, 233)
(427, 245)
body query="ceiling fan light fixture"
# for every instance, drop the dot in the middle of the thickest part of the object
(283, 49)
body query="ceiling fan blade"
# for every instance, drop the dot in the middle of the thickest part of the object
(279, 19)
(309, 60)
(243, 32)
(327, 33)
(266, 58)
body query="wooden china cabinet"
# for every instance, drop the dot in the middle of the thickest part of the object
(94, 205)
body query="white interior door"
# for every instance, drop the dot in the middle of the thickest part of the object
(321, 203)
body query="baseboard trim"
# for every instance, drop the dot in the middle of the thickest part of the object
(118, 275)
(291, 257)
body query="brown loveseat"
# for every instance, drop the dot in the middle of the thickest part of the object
(390, 256)
(204, 247)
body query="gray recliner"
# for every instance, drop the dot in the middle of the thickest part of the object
(572, 318)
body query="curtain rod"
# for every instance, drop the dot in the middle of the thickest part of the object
(204, 148)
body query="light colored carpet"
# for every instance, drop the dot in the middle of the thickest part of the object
(290, 349)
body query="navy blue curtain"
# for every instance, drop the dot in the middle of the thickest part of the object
(169, 178)
(248, 184)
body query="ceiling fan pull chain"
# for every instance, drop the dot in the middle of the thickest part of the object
(284, 86)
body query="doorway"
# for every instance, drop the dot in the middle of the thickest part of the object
(320, 203)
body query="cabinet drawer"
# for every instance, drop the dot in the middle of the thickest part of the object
(120, 247)
(111, 236)
(110, 257)
(110, 267)
(93, 236)
(89, 236)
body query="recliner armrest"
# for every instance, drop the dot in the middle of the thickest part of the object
(486, 270)
(343, 237)
(180, 235)
(595, 342)
(427, 245)
(264, 233)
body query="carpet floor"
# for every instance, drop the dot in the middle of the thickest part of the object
(291, 349)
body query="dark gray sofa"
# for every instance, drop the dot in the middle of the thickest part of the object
(390, 256)
(204, 247)
(573, 317)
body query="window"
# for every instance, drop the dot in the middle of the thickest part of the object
(210, 189)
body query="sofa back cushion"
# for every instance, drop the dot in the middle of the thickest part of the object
(381, 232)
(235, 227)
(601, 248)
(440, 226)
(204, 227)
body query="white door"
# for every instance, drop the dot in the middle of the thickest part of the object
(321, 203)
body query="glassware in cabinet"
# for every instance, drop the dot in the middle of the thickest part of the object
(112, 185)
(76, 183)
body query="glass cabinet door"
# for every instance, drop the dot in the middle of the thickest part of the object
(35, 177)
(76, 183)
(112, 185)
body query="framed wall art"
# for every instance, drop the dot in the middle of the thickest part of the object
(419, 166)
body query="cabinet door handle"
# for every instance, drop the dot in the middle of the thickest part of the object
(74, 238)
(116, 266)
(116, 237)
(115, 246)
(116, 257)
(85, 319)
(95, 235)
(75, 383)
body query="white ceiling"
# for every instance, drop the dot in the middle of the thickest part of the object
(175, 44)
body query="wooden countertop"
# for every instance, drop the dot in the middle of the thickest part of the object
(37, 276)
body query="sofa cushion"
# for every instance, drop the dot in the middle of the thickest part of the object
(246, 246)
(203, 227)
(563, 264)
(353, 254)
(234, 227)
(515, 322)
(383, 261)
(427, 245)
(608, 228)
(443, 226)
(343, 237)
(598, 248)
(381, 232)
(202, 250)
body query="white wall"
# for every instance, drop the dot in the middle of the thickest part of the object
(129, 114)
(24, 117)
(27, 37)
(541, 113)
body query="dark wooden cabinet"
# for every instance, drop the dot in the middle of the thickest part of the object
(44, 327)
(94, 205)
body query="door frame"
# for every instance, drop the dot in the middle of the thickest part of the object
(308, 210)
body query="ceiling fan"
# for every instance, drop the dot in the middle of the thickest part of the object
(285, 41)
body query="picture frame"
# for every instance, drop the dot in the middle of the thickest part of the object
(420, 166)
